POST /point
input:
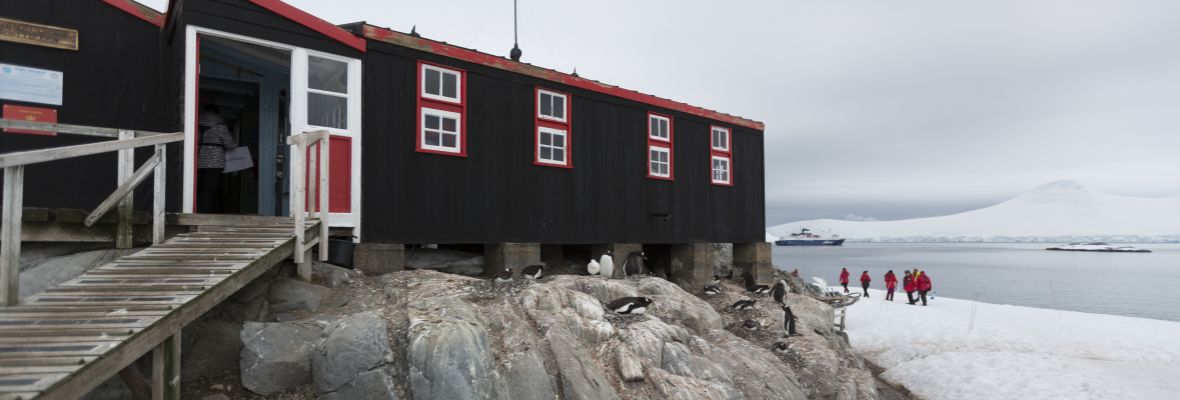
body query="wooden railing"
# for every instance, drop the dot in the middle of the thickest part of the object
(299, 173)
(13, 195)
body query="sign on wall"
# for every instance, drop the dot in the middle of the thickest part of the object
(12, 30)
(31, 114)
(33, 85)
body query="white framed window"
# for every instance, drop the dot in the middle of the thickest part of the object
(441, 131)
(720, 139)
(659, 127)
(659, 161)
(721, 171)
(552, 106)
(441, 84)
(552, 146)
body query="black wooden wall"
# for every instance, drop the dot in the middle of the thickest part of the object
(497, 194)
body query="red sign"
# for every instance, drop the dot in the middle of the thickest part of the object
(33, 114)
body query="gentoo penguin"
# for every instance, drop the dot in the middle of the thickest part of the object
(759, 289)
(730, 275)
(789, 321)
(778, 291)
(504, 276)
(593, 268)
(748, 279)
(535, 271)
(607, 264)
(629, 305)
(779, 347)
(633, 264)
(712, 289)
(751, 325)
(716, 280)
(745, 304)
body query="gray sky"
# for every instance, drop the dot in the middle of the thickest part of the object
(884, 109)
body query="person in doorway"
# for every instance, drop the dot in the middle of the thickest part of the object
(215, 140)
(890, 285)
(924, 285)
(844, 279)
(907, 284)
(865, 279)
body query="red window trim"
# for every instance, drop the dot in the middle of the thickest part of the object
(668, 144)
(726, 156)
(459, 108)
(566, 126)
(728, 139)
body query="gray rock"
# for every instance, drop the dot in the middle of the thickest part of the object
(275, 356)
(210, 347)
(449, 354)
(630, 368)
(580, 378)
(450, 261)
(375, 385)
(288, 295)
(333, 276)
(52, 271)
(527, 378)
(351, 346)
(218, 396)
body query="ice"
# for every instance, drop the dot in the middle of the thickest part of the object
(961, 349)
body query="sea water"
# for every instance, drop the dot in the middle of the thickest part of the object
(1130, 284)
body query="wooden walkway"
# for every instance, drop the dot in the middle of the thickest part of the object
(63, 342)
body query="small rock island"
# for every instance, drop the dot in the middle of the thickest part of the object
(1099, 247)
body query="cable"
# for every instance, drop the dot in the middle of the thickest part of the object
(471, 42)
(544, 39)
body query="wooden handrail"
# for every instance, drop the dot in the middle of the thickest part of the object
(138, 177)
(71, 129)
(60, 153)
(299, 144)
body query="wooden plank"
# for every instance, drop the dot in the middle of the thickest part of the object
(57, 335)
(126, 201)
(18, 395)
(324, 202)
(96, 323)
(124, 192)
(159, 194)
(60, 153)
(227, 219)
(166, 369)
(83, 314)
(29, 382)
(46, 361)
(40, 369)
(73, 129)
(10, 235)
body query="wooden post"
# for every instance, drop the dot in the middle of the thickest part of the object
(166, 369)
(124, 233)
(304, 267)
(158, 189)
(14, 181)
(324, 206)
(298, 172)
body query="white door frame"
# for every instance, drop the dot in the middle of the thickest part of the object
(297, 114)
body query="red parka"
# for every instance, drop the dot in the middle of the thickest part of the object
(908, 283)
(890, 280)
(865, 278)
(924, 282)
(844, 276)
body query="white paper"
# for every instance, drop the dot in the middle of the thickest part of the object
(33, 85)
(238, 159)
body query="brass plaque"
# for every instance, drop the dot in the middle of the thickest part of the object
(12, 30)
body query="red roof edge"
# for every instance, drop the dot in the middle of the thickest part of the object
(401, 39)
(314, 23)
(139, 11)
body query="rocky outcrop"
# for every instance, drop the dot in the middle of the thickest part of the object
(276, 356)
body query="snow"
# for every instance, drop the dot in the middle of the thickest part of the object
(961, 349)
(1062, 211)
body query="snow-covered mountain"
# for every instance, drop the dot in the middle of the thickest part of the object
(1055, 212)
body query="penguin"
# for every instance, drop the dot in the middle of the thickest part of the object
(535, 271)
(748, 279)
(504, 276)
(779, 347)
(629, 305)
(730, 275)
(751, 325)
(716, 280)
(743, 304)
(789, 321)
(607, 264)
(712, 290)
(633, 264)
(593, 268)
(778, 291)
(759, 289)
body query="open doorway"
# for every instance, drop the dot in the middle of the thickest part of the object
(245, 88)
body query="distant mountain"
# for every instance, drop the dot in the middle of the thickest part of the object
(1061, 211)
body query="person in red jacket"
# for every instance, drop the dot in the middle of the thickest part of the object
(908, 285)
(890, 285)
(924, 285)
(864, 282)
(844, 279)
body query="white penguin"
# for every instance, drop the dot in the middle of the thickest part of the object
(607, 263)
(593, 268)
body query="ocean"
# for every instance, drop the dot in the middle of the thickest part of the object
(1129, 284)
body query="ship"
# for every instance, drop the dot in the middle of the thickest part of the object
(806, 238)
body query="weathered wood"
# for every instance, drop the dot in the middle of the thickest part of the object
(71, 129)
(324, 191)
(126, 199)
(227, 219)
(166, 369)
(120, 196)
(10, 235)
(36, 214)
(61, 153)
(158, 194)
(140, 388)
(298, 209)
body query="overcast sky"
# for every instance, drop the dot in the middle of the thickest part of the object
(884, 109)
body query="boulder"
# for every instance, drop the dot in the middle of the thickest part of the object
(288, 295)
(449, 354)
(375, 384)
(333, 276)
(210, 347)
(275, 356)
(351, 346)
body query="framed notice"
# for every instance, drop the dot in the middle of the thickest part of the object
(12, 30)
(31, 114)
(33, 85)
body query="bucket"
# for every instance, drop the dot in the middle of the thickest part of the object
(340, 250)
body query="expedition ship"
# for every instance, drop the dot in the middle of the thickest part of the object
(806, 238)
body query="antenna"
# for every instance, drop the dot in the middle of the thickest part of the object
(515, 53)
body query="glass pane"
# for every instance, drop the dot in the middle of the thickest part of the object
(654, 126)
(654, 156)
(327, 111)
(325, 74)
(431, 85)
(546, 104)
(449, 125)
(546, 139)
(546, 153)
(559, 141)
(450, 86)
(450, 140)
(431, 122)
(559, 107)
(655, 167)
(559, 155)
(663, 128)
(432, 138)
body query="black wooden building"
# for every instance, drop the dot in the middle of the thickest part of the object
(431, 143)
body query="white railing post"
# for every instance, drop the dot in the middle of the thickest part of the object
(158, 193)
(324, 202)
(125, 230)
(10, 235)
(298, 174)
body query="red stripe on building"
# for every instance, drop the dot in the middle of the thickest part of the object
(139, 11)
(314, 23)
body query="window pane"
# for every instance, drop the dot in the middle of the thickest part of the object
(450, 86)
(432, 138)
(559, 155)
(559, 107)
(546, 139)
(559, 141)
(449, 125)
(325, 74)
(546, 104)
(450, 140)
(432, 122)
(654, 126)
(546, 153)
(655, 155)
(432, 84)
(327, 111)
(663, 128)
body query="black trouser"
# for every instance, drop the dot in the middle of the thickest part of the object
(909, 295)
(209, 190)
(923, 293)
(865, 285)
(889, 294)
(845, 286)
